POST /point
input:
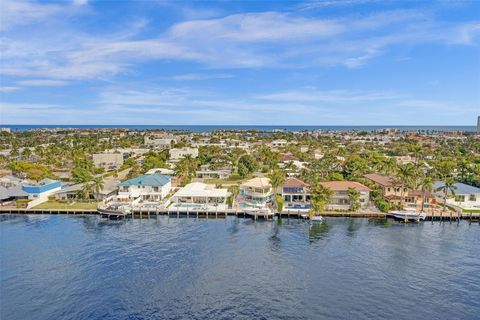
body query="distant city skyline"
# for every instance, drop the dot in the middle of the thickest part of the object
(353, 62)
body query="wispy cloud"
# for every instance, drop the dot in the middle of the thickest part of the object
(42, 83)
(247, 40)
(7, 89)
(14, 13)
(335, 96)
(200, 76)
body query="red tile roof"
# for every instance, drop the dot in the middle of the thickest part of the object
(288, 157)
(344, 185)
(380, 179)
(294, 182)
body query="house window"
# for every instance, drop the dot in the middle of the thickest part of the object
(472, 198)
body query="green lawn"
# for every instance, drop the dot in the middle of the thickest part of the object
(225, 182)
(471, 211)
(73, 205)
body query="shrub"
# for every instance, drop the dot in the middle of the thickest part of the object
(279, 203)
(383, 205)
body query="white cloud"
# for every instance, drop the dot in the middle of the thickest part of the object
(14, 13)
(80, 2)
(332, 96)
(42, 83)
(249, 40)
(198, 76)
(7, 89)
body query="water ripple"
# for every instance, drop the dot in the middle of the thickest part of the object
(59, 267)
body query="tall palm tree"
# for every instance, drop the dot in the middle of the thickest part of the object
(277, 178)
(448, 186)
(97, 184)
(426, 185)
(234, 190)
(85, 192)
(405, 176)
(354, 198)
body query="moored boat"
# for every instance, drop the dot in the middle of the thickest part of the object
(317, 219)
(259, 212)
(408, 215)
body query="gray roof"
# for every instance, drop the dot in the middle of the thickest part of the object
(4, 193)
(17, 191)
(460, 188)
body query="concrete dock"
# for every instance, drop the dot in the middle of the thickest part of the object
(202, 213)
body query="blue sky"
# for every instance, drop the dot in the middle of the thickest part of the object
(352, 62)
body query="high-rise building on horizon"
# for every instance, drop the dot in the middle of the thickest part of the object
(478, 124)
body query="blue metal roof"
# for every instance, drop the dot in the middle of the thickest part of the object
(461, 188)
(151, 180)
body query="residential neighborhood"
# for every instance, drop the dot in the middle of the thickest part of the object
(280, 171)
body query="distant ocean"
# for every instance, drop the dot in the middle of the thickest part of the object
(208, 128)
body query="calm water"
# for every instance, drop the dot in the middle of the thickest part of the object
(208, 128)
(64, 267)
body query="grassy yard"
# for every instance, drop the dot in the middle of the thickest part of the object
(225, 182)
(471, 211)
(73, 205)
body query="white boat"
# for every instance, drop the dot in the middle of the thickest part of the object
(317, 219)
(408, 215)
(259, 212)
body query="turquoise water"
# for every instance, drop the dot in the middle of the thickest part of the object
(74, 267)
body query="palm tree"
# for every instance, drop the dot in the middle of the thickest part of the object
(85, 192)
(320, 197)
(405, 176)
(448, 186)
(234, 190)
(97, 184)
(354, 198)
(277, 178)
(388, 166)
(426, 185)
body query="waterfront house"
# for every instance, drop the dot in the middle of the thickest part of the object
(41, 189)
(465, 196)
(392, 192)
(148, 187)
(38, 192)
(340, 199)
(177, 154)
(257, 191)
(71, 192)
(295, 194)
(8, 195)
(200, 195)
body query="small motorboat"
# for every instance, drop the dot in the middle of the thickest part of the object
(316, 219)
(259, 212)
(408, 215)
